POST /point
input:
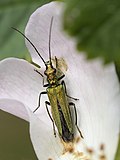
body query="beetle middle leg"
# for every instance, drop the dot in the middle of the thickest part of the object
(63, 83)
(72, 104)
(47, 103)
(39, 100)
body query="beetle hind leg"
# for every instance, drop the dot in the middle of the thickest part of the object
(72, 104)
(47, 103)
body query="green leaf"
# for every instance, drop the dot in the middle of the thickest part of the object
(15, 13)
(96, 27)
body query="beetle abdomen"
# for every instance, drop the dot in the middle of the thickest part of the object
(67, 136)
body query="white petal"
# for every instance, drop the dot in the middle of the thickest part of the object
(96, 86)
(45, 144)
(98, 108)
(19, 81)
(37, 30)
(14, 107)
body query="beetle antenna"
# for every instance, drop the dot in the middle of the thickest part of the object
(30, 43)
(50, 31)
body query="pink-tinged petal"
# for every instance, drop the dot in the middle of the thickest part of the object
(95, 85)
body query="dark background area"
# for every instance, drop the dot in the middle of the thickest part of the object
(15, 142)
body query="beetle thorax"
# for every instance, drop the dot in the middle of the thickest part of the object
(50, 72)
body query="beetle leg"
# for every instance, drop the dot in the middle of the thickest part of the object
(61, 77)
(39, 100)
(44, 85)
(63, 83)
(71, 103)
(38, 72)
(47, 103)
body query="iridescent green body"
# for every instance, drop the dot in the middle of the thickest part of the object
(57, 97)
(58, 101)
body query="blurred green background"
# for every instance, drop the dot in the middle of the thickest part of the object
(15, 142)
(15, 13)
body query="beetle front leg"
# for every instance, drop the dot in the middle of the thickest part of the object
(71, 103)
(38, 72)
(44, 85)
(47, 103)
(39, 100)
(61, 77)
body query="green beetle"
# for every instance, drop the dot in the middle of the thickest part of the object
(58, 98)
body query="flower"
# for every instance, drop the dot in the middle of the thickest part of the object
(95, 85)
